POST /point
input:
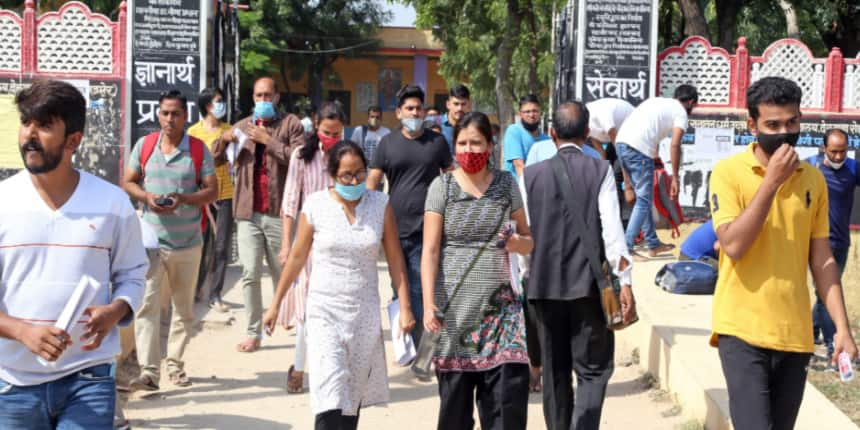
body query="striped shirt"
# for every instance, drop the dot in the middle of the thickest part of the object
(303, 179)
(43, 255)
(173, 173)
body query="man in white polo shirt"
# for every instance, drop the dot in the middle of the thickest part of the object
(638, 143)
(58, 224)
(605, 118)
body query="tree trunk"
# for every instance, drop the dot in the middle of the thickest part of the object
(727, 22)
(504, 57)
(534, 84)
(694, 20)
(315, 89)
(791, 25)
(667, 13)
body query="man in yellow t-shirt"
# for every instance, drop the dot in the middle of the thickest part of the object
(770, 216)
(217, 257)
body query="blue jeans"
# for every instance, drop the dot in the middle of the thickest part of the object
(412, 247)
(81, 401)
(640, 168)
(820, 317)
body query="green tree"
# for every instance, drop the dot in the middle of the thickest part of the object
(501, 48)
(294, 38)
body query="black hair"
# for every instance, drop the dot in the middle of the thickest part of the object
(570, 120)
(529, 98)
(174, 95)
(205, 98)
(833, 131)
(374, 108)
(685, 93)
(772, 90)
(477, 120)
(47, 100)
(339, 150)
(410, 92)
(328, 110)
(459, 91)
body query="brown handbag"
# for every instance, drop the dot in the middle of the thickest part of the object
(607, 282)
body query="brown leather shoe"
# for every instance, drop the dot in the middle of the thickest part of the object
(660, 249)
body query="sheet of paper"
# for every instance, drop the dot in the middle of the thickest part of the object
(234, 147)
(81, 298)
(404, 347)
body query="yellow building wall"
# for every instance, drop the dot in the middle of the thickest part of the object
(364, 72)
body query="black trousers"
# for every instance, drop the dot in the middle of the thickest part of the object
(765, 386)
(334, 420)
(501, 393)
(216, 249)
(574, 338)
(532, 336)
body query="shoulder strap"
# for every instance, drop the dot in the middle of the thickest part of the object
(196, 148)
(363, 135)
(565, 185)
(483, 248)
(146, 151)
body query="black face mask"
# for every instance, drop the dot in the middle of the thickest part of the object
(769, 143)
(531, 127)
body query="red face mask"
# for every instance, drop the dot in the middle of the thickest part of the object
(473, 162)
(327, 142)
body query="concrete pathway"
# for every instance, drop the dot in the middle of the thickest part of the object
(247, 391)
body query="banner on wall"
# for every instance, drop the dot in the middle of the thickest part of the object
(100, 148)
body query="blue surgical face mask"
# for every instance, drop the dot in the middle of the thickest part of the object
(264, 110)
(219, 109)
(413, 125)
(350, 192)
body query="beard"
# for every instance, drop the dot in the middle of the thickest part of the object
(50, 161)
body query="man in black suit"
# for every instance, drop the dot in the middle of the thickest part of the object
(573, 228)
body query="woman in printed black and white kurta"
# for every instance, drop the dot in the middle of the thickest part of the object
(345, 344)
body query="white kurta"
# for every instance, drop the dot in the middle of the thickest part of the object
(346, 353)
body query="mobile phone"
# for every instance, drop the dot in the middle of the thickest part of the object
(164, 201)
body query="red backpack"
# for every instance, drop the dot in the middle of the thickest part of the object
(196, 149)
(667, 207)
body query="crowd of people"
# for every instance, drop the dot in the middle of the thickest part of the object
(496, 256)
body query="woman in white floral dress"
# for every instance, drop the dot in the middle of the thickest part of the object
(343, 227)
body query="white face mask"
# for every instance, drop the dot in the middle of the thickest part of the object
(834, 165)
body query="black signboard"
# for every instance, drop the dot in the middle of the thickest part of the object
(100, 149)
(165, 56)
(617, 48)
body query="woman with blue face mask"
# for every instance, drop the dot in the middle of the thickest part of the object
(306, 175)
(343, 227)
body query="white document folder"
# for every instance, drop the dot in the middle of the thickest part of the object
(404, 347)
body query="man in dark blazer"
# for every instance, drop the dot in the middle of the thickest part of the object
(571, 324)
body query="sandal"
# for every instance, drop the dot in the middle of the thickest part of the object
(180, 379)
(535, 376)
(248, 345)
(143, 383)
(295, 381)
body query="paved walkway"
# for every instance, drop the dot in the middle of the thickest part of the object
(247, 391)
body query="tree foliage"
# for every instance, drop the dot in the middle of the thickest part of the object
(501, 48)
(821, 24)
(322, 30)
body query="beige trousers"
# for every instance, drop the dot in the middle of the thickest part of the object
(173, 274)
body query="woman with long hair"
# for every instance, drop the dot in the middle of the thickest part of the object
(341, 229)
(306, 175)
(465, 272)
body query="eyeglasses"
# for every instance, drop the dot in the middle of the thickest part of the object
(347, 178)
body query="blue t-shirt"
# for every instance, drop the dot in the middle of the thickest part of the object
(840, 193)
(700, 243)
(448, 132)
(517, 143)
(546, 149)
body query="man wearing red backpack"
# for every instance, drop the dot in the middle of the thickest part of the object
(173, 176)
